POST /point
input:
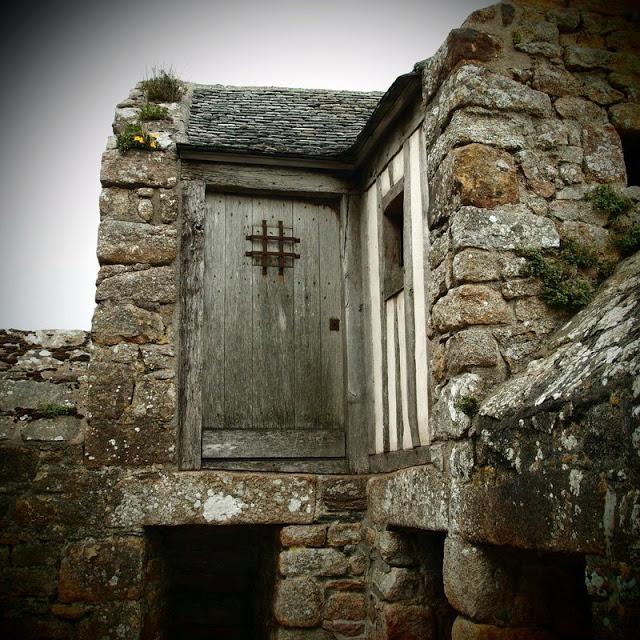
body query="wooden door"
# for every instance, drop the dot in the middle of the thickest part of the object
(272, 383)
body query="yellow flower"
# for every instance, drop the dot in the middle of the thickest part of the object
(153, 144)
(139, 139)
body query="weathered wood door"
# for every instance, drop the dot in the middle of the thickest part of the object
(272, 383)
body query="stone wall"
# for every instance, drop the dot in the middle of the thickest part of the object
(524, 112)
(132, 398)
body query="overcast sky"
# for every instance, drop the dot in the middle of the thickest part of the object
(65, 65)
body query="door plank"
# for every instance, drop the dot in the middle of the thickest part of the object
(273, 443)
(332, 381)
(273, 329)
(238, 370)
(306, 314)
(213, 336)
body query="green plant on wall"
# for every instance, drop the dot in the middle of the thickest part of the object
(151, 111)
(624, 229)
(135, 136)
(563, 285)
(606, 199)
(468, 405)
(162, 86)
(571, 275)
(54, 410)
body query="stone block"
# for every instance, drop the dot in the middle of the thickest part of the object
(504, 228)
(62, 429)
(102, 570)
(603, 158)
(145, 288)
(138, 169)
(114, 323)
(342, 534)
(158, 356)
(577, 210)
(396, 583)
(584, 111)
(470, 304)
(118, 204)
(167, 498)
(314, 562)
(153, 400)
(168, 206)
(554, 80)
(133, 243)
(395, 548)
(520, 288)
(345, 628)
(345, 606)
(18, 464)
(345, 584)
(110, 389)
(341, 494)
(484, 176)
(401, 621)
(464, 629)
(587, 59)
(31, 394)
(303, 535)
(627, 83)
(470, 348)
(449, 421)
(109, 443)
(475, 582)
(468, 125)
(470, 44)
(475, 265)
(626, 117)
(298, 603)
(594, 87)
(471, 85)
(590, 234)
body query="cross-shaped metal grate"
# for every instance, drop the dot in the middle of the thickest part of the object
(280, 258)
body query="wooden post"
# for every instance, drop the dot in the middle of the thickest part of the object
(190, 326)
(358, 436)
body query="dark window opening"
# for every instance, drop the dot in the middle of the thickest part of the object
(393, 241)
(210, 582)
(631, 151)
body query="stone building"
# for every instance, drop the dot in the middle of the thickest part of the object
(325, 395)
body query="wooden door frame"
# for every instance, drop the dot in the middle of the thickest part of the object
(196, 180)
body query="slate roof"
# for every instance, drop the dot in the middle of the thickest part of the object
(315, 123)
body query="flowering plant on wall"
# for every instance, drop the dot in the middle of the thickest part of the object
(134, 136)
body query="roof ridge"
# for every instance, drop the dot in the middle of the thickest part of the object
(281, 88)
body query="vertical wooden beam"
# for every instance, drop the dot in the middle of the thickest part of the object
(190, 326)
(420, 262)
(383, 315)
(409, 302)
(358, 437)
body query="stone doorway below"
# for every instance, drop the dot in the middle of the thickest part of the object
(209, 582)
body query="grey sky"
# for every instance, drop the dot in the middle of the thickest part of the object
(65, 65)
